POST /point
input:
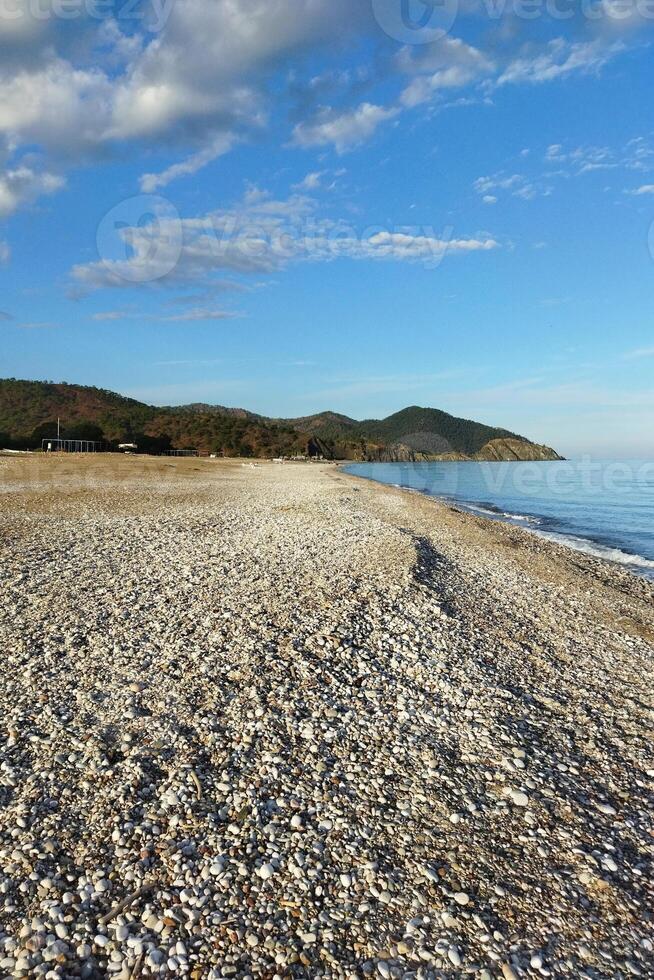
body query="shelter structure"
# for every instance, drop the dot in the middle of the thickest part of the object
(71, 446)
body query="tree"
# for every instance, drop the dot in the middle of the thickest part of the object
(84, 430)
(46, 430)
(152, 445)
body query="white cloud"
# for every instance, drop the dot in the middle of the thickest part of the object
(23, 185)
(198, 315)
(448, 63)
(342, 129)
(311, 182)
(187, 316)
(150, 183)
(560, 58)
(5, 253)
(635, 155)
(415, 247)
(565, 163)
(515, 184)
(260, 236)
(111, 315)
(639, 353)
(200, 84)
(56, 106)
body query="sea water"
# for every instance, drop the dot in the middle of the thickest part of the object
(602, 507)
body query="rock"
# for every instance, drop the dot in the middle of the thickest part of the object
(276, 722)
(454, 956)
(518, 798)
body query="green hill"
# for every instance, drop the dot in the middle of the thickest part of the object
(429, 430)
(29, 411)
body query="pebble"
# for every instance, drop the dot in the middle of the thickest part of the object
(454, 956)
(289, 718)
(518, 798)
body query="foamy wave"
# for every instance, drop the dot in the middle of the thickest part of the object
(498, 514)
(596, 550)
(585, 545)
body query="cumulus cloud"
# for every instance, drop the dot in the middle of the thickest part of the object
(342, 129)
(429, 71)
(23, 185)
(63, 109)
(197, 82)
(446, 64)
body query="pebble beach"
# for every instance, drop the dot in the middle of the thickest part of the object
(274, 721)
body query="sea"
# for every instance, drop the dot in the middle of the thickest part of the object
(604, 508)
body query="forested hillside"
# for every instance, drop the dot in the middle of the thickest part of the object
(29, 411)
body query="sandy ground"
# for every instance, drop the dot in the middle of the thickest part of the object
(275, 721)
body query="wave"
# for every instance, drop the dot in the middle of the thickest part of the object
(559, 529)
(489, 510)
(586, 545)
(597, 550)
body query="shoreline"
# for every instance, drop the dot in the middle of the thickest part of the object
(633, 562)
(288, 721)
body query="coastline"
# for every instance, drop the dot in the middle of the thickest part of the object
(327, 725)
(546, 526)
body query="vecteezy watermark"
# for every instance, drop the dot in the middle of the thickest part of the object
(140, 239)
(564, 10)
(427, 21)
(143, 239)
(528, 480)
(151, 15)
(416, 21)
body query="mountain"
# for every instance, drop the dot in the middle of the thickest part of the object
(29, 411)
(428, 430)
(323, 423)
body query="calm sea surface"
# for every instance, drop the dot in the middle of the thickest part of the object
(605, 508)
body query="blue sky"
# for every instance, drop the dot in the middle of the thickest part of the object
(294, 205)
